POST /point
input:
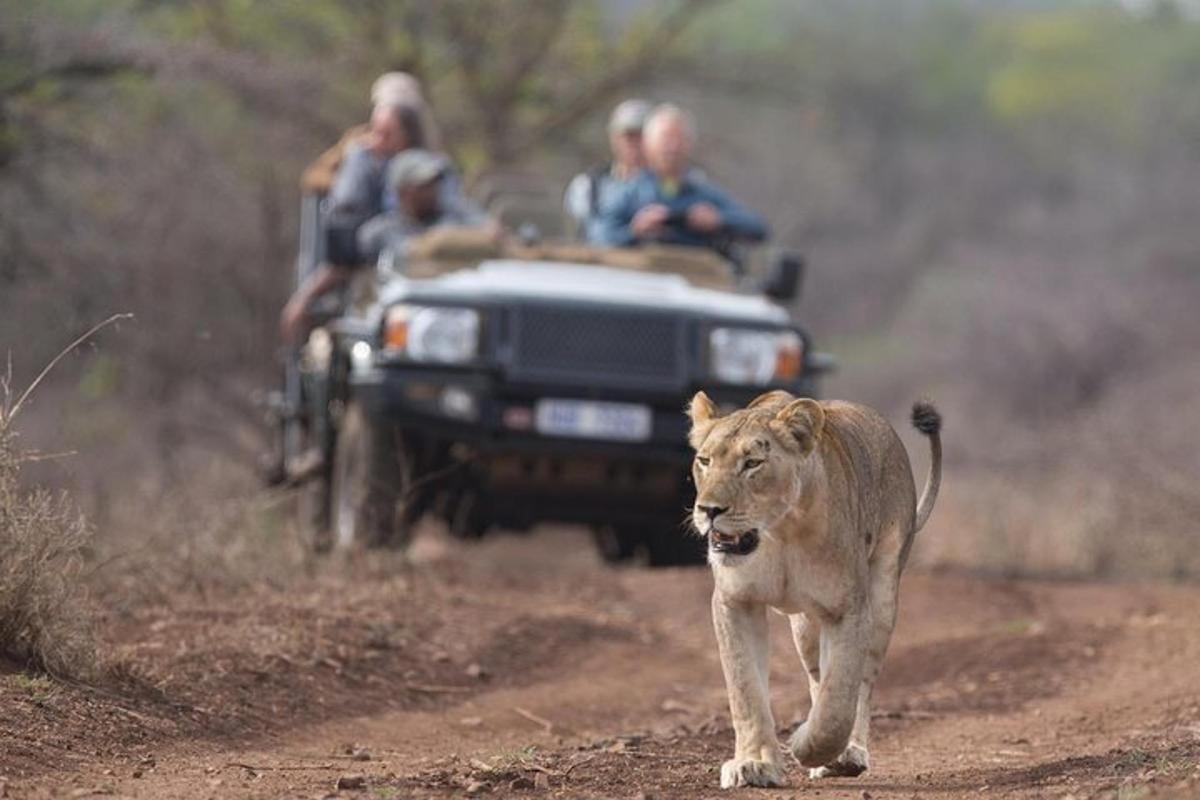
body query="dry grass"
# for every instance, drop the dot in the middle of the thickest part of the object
(45, 622)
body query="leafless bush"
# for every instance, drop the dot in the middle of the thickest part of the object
(44, 615)
(43, 609)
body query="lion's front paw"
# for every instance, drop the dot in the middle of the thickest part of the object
(738, 772)
(850, 764)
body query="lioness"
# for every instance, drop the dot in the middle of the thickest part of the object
(809, 508)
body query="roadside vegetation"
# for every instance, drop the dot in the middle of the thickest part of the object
(45, 617)
(995, 201)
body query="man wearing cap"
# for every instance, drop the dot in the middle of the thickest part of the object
(589, 193)
(416, 177)
(670, 201)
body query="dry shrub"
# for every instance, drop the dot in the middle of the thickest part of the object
(44, 619)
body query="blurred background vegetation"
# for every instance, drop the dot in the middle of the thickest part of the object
(998, 200)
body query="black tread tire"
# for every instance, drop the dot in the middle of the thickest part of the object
(617, 544)
(469, 519)
(669, 546)
(312, 514)
(370, 476)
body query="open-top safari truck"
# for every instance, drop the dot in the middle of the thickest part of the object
(507, 385)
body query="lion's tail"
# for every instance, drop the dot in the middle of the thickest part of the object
(927, 420)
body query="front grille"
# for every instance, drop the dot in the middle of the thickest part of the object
(598, 347)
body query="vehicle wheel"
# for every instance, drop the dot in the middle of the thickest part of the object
(370, 476)
(468, 519)
(312, 514)
(617, 544)
(671, 547)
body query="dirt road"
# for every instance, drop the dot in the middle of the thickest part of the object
(522, 667)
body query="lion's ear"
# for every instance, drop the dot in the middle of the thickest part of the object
(803, 420)
(703, 415)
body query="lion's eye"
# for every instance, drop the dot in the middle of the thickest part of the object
(703, 460)
(751, 463)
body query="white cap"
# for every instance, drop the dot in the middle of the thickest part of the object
(628, 116)
(397, 89)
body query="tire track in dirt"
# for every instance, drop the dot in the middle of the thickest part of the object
(592, 682)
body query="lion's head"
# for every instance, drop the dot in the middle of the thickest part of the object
(751, 466)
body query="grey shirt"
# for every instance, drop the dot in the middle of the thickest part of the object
(357, 191)
(384, 238)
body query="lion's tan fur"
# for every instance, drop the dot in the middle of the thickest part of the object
(829, 491)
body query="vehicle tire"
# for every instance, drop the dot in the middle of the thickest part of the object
(669, 546)
(617, 544)
(312, 514)
(371, 476)
(468, 519)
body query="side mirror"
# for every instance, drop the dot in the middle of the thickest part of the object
(783, 279)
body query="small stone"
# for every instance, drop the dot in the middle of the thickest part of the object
(471, 722)
(518, 784)
(476, 787)
(137, 773)
(865, 795)
(350, 782)
(474, 670)
(441, 656)
(541, 781)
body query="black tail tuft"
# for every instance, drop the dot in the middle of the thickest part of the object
(926, 418)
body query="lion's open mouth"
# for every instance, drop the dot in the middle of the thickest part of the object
(735, 544)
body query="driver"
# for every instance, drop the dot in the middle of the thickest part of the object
(416, 176)
(670, 201)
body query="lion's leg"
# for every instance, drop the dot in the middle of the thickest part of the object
(826, 732)
(742, 640)
(855, 760)
(806, 633)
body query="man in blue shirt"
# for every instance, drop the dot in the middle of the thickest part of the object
(670, 201)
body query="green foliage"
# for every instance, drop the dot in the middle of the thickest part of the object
(1054, 75)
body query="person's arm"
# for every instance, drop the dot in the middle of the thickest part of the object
(371, 238)
(577, 200)
(326, 277)
(736, 219)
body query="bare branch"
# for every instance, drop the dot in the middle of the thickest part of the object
(8, 416)
(649, 55)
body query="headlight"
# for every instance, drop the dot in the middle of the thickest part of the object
(432, 333)
(754, 357)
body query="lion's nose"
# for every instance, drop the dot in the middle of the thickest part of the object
(714, 511)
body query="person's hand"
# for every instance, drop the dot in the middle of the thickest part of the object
(649, 220)
(495, 230)
(291, 321)
(704, 217)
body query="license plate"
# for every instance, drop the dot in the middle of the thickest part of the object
(587, 419)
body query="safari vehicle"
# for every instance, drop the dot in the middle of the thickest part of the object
(500, 386)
